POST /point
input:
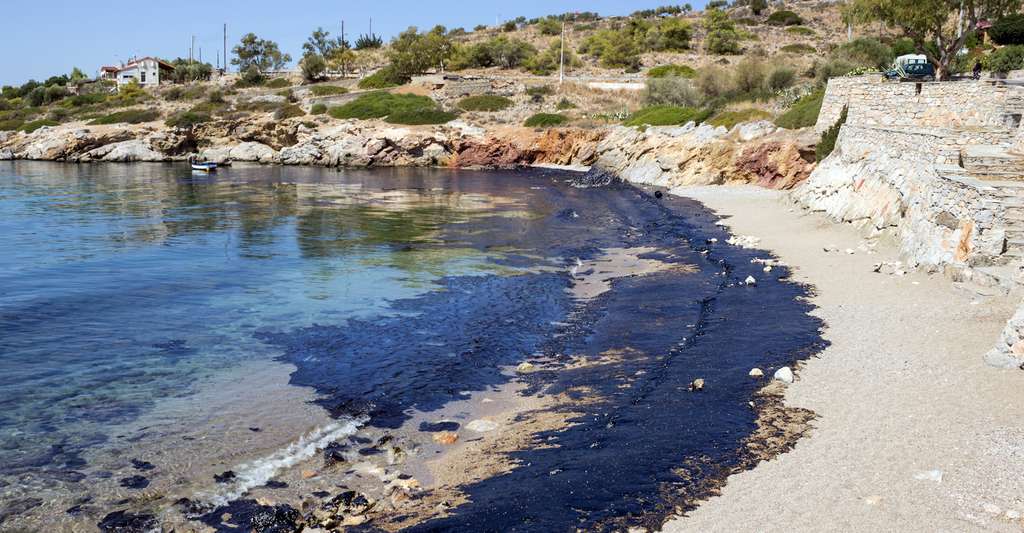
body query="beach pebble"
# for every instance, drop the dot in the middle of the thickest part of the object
(525, 368)
(784, 374)
(991, 508)
(929, 475)
(849, 251)
(750, 281)
(767, 269)
(308, 474)
(482, 425)
(756, 373)
(873, 500)
(1013, 515)
(697, 385)
(446, 437)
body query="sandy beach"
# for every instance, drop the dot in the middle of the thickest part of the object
(913, 431)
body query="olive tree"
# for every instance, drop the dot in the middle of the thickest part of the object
(261, 54)
(939, 28)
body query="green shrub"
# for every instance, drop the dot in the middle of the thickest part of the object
(313, 67)
(288, 111)
(780, 78)
(804, 112)
(714, 82)
(1006, 59)
(722, 42)
(129, 116)
(564, 104)
(414, 117)
(187, 119)
(798, 49)
(318, 109)
(540, 90)
(784, 17)
(1008, 30)
(327, 90)
(380, 105)
(29, 127)
(670, 91)
(800, 30)
(864, 52)
(749, 76)
(11, 124)
(383, 78)
(828, 139)
(59, 114)
(278, 83)
(545, 120)
(486, 102)
(826, 70)
(251, 77)
(672, 71)
(732, 118)
(83, 100)
(666, 115)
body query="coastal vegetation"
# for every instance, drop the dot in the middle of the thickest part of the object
(486, 102)
(545, 120)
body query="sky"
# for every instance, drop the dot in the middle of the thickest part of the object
(44, 38)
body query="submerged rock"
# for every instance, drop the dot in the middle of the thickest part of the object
(756, 373)
(134, 482)
(125, 522)
(697, 385)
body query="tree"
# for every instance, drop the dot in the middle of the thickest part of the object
(259, 53)
(939, 28)
(414, 53)
(722, 37)
(77, 75)
(320, 42)
(342, 59)
(313, 67)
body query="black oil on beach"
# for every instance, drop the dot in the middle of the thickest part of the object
(379, 293)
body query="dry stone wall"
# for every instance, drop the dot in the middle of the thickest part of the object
(964, 105)
(898, 166)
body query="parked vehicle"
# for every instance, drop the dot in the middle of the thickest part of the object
(911, 67)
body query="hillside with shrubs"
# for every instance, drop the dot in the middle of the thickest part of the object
(728, 63)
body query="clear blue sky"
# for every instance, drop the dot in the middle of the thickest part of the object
(43, 38)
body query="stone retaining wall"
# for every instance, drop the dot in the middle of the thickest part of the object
(963, 105)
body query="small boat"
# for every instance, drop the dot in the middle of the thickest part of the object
(202, 167)
(205, 167)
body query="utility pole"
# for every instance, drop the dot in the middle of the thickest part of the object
(191, 50)
(561, 58)
(225, 47)
(371, 26)
(200, 54)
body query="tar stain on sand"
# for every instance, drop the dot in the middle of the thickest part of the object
(622, 462)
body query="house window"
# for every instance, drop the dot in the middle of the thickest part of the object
(143, 76)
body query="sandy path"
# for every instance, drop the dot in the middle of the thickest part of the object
(902, 394)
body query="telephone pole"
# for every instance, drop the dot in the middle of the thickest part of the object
(225, 47)
(561, 58)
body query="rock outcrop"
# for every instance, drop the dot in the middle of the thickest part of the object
(704, 155)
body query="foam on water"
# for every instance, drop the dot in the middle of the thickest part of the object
(259, 472)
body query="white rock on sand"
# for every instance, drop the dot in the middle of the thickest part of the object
(482, 425)
(901, 389)
(784, 374)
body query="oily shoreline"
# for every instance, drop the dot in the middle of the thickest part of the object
(648, 372)
(490, 497)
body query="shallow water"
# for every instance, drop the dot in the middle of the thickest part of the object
(245, 320)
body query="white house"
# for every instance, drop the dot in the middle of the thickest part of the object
(146, 71)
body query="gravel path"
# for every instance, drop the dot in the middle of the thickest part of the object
(915, 432)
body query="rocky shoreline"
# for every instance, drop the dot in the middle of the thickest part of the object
(665, 156)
